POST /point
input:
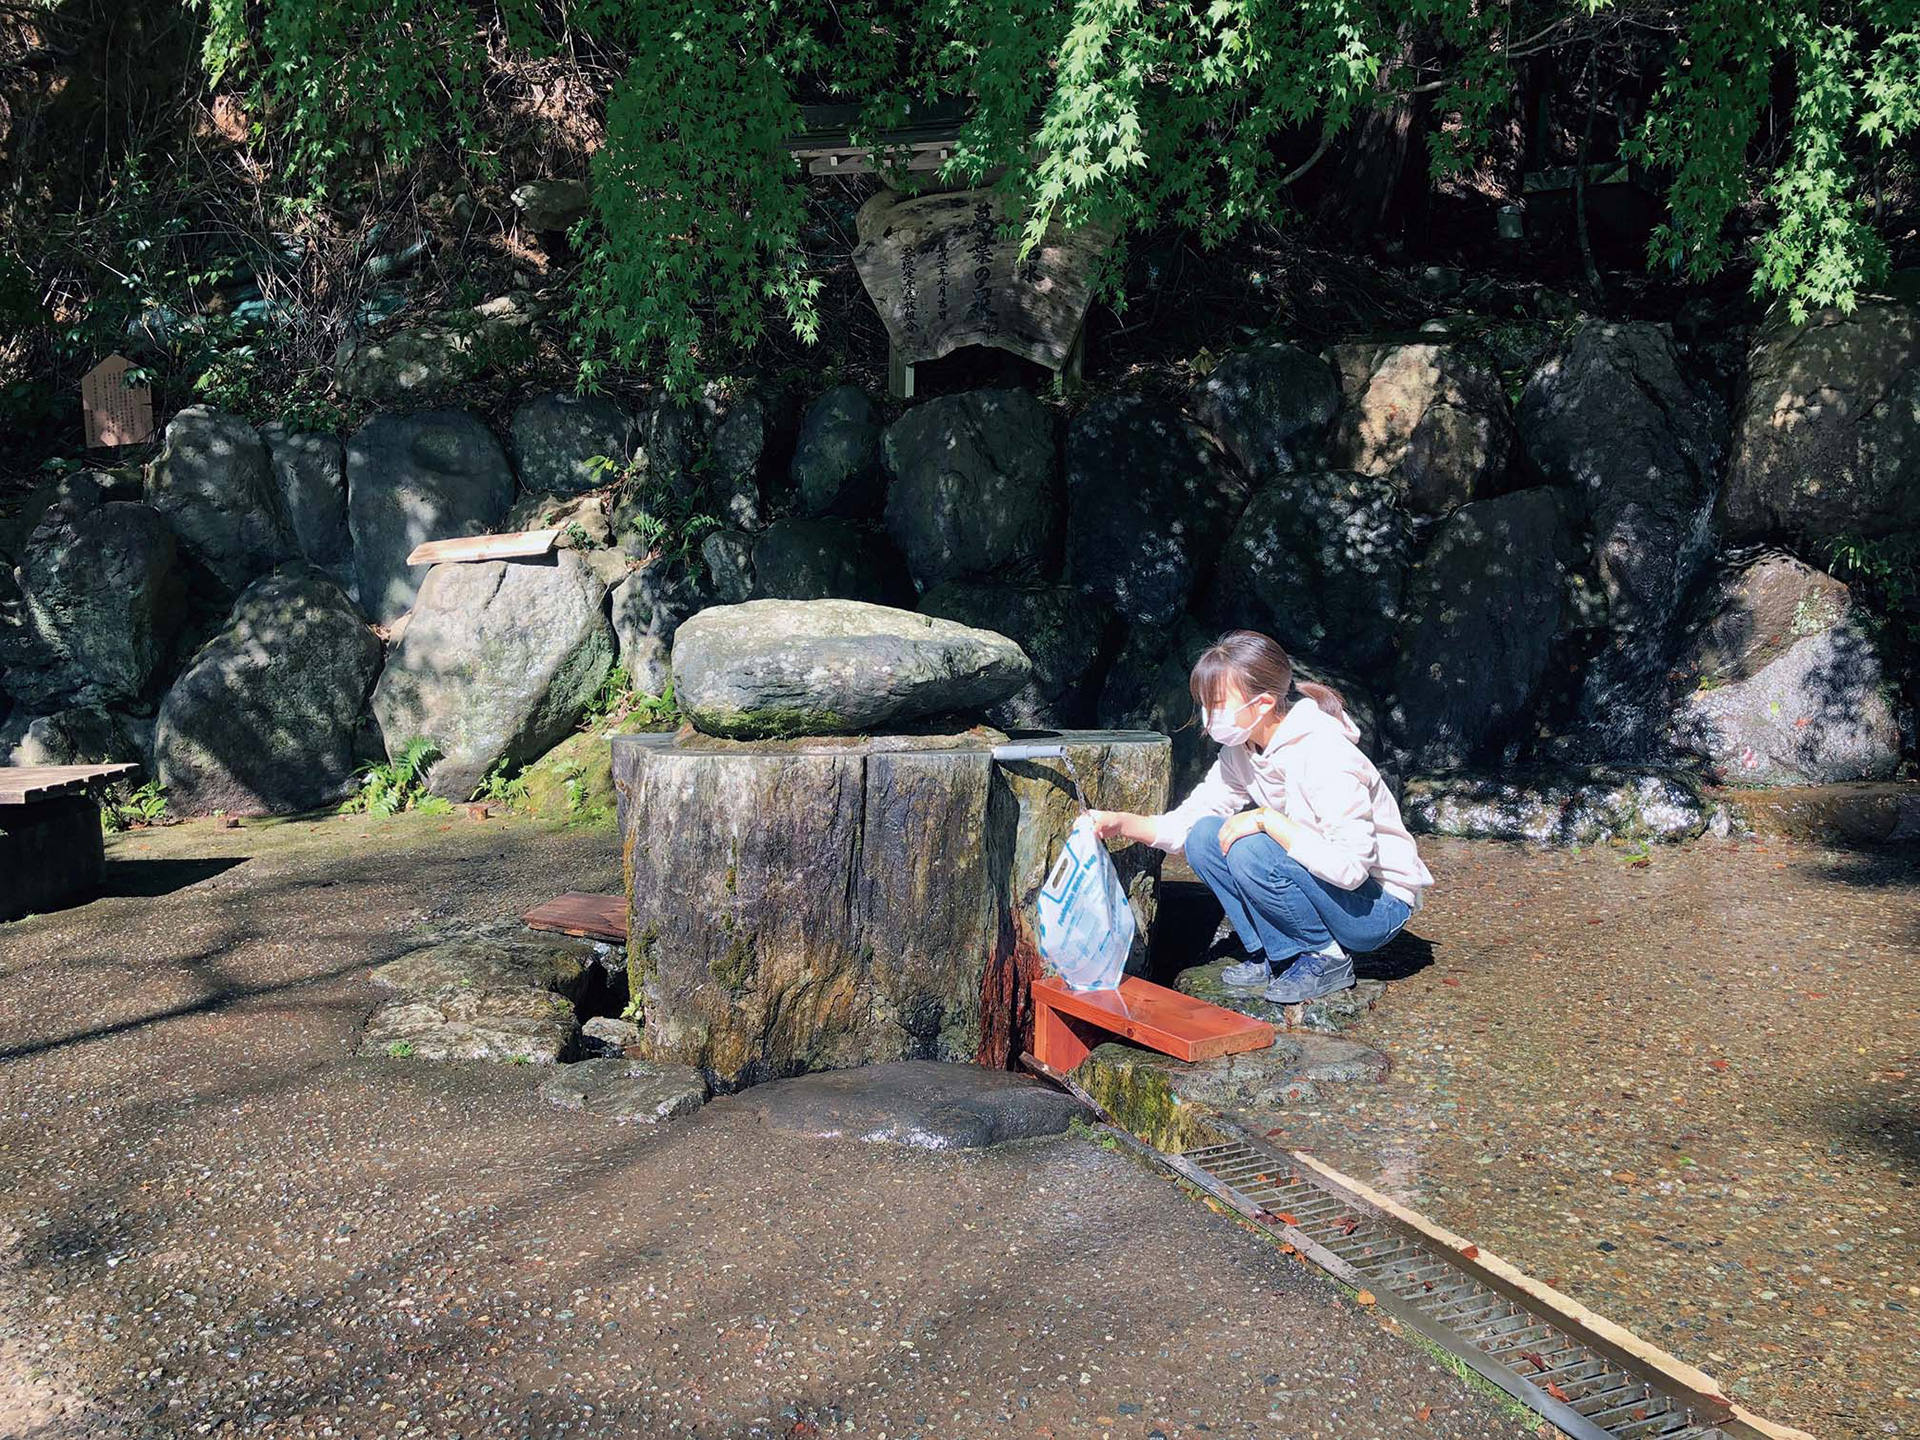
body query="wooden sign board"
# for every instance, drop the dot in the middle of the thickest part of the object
(116, 413)
(943, 273)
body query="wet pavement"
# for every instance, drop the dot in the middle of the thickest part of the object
(1687, 1094)
(214, 1219)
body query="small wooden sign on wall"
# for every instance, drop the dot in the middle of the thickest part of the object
(116, 413)
(943, 274)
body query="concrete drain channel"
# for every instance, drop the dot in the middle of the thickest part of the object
(1591, 1378)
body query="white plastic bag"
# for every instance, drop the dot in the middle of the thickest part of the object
(1086, 925)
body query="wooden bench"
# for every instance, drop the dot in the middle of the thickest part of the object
(1068, 1023)
(51, 848)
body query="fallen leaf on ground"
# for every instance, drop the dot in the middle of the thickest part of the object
(1423, 1414)
(1533, 1358)
(1348, 1224)
(1472, 1252)
(1448, 980)
(1556, 1392)
(1365, 1297)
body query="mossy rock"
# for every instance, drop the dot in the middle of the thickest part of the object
(1168, 1103)
(573, 782)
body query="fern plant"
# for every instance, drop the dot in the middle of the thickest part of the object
(397, 784)
(145, 806)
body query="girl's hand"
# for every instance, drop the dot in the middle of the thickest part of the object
(1109, 823)
(1238, 828)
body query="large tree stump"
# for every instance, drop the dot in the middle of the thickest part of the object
(825, 903)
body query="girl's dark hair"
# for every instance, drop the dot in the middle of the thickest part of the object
(1257, 665)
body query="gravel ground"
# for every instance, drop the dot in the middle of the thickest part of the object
(215, 1221)
(1687, 1093)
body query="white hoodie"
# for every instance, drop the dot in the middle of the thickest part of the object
(1312, 772)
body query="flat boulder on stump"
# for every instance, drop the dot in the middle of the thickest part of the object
(1150, 498)
(310, 470)
(98, 601)
(263, 719)
(1270, 405)
(1430, 417)
(1619, 421)
(1059, 629)
(497, 663)
(831, 902)
(1483, 610)
(975, 485)
(1319, 561)
(1784, 685)
(213, 481)
(836, 461)
(826, 559)
(774, 668)
(557, 436)
(430, 475)
(552, 205)
(1826, 435)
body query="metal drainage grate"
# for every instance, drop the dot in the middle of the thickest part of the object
(1588, 1387)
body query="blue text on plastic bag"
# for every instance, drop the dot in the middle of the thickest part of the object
(1086, 925)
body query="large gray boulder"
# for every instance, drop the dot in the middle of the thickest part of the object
(727, 556)
(1783, 682)
(648, 607)
(1319, 561)
(802, 559)
(76, 735)
(94, 609)
(975, 489)
(712, 449)
(310, 471)
(263, 720)
(1640, 442)
(1826, 436)
(1430, 417)
(431, 475)
(441, 352)
(836, 460)
(1270, 405)
(1565, 805)
(1059, 629)
(1483, 610)
(497, 663)
(214, 483)
(776, 668)
(1149, 500)
(555, 437)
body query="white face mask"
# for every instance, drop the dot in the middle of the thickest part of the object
(1221, 727)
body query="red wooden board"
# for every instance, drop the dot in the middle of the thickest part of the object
(1145, 1013)
(597, 917)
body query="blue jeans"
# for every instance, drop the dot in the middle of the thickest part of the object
(1277, 905)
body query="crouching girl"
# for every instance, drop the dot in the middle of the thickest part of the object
(1322, 868)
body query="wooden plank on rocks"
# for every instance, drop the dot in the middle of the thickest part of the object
(596, 917)
(512, 546)
(23, 784)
